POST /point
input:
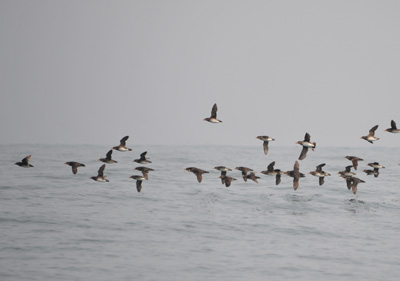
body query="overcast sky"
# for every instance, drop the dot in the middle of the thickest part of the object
(91, 72)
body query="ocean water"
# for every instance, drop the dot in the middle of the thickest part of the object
(60, 226)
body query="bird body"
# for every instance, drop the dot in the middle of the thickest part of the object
(108, 159)
(393, 128)
(142, 159)
(100, 175)
(24, 162)
(198, 172)
(371, 136)
(320, 173)
(74, 165)
(295, 174)
(266, 140)
(306, 143)
(122, 145)
(213, 117)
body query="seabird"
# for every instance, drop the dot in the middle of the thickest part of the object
(347, 172)
(252, 176)
(100, 177)
(24, 162)
(319, 173)
(374, 172)
(213, 117)
(371, 136)
(227, 180)
(354, 160)
(393, 128)
(266, 140)
(108, 159)
(223, 171)
(306, 143)
(198, 172)
(121, 146)
(295, 174)
(244, 171)
(376, 165)
(273, 172)
(139, 180)
(74, 166)
(145, 171)
(352, 183)
(142, 159)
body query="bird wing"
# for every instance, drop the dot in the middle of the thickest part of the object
(214, 111)
(265, 145)
(143, 156)
(372, 131)
(349, 182)
(303, 153)
(321, 180)
(296, 167)
(307, 137)
(139, 185)
(270, 167)
(101, 170)
(123, 140)
(278, 179)
(319, 167)
(108, 155)
(295, 182)
(355, 163)
(26, 160)
(199, 176)
(74, 169)
(393, 124)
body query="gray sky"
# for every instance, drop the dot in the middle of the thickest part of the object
(91, 72)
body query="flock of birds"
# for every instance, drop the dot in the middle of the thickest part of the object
(247, 173)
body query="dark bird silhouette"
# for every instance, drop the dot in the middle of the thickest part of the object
(108, 159)
(306, 143)
(142, 159)
(371, 136)
(374, 172)
(24, 162)
(266, 140)
(198, 172)
(319, 173)
(273, 172)
(100, 176)
(347, 172)
(354, 160)
(122, 146)
(223, 171)
(393, 128)
(74, 166)
(139, 180)
(145, 171)
(227, 180)
(295, 174)
(244, 171)
(352, 182)
(213, 117)
(252, 176)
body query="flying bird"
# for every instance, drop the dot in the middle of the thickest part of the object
(252, 176)
(145, 171)
(354, 160)
(227, 180)
(306, 143)
(213, 117)
(295, 174)
(347, 172)
(244, 171)
(139, 180)
(266, 140)
(273, 172)
(108, 159)
(142, 159)
(371, 136)
(352, 183)
(319, 173)
(74, 166)
(24, 162)
(198, 172)
(393, 128)
(100, 176)
(122, 146)
(223, 171)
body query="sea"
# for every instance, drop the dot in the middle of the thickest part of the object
(55, 225)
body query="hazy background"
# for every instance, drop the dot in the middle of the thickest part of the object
(91, 72)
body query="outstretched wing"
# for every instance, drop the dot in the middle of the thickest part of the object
(372, 131)
(108, 155)
(303, 153)
(123, 140)
(101, 170)
(319, 167)
(265, 145)
(143, 155)
(307, 137)
(26, 160)
(214, 111)
(270, 167)
(393, 124)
